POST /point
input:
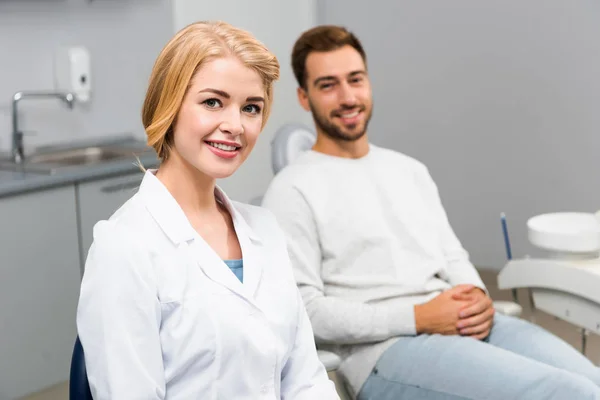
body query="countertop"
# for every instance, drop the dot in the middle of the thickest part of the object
(14, 183)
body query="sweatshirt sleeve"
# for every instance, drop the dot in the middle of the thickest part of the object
(459, 269)
(334, 320)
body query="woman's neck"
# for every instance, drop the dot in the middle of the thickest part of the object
(194, 191)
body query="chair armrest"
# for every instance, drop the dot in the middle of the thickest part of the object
(508, 308)
(330, 360)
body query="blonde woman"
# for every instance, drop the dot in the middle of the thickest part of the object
(187, 294)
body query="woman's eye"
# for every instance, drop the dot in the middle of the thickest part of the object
(252, 109)
(211, 103)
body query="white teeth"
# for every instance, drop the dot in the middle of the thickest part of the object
(350, 115)
(222, 146)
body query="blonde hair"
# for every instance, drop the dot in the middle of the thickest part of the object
(178, 63)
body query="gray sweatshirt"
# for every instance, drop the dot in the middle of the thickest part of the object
(368, 239)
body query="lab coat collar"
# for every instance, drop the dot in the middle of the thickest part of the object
(239, 221)
(172, 220)
(170, 217)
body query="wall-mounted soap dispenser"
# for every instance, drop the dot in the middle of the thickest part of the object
(72, 72)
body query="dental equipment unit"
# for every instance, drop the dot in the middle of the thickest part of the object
(566, 282)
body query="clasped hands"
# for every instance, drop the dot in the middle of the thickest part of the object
(464, 310)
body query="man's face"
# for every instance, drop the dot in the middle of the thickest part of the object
(338, 93)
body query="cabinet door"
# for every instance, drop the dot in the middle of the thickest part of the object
(98, 200)
(39, 289)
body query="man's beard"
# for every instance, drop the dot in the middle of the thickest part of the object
(335, 132)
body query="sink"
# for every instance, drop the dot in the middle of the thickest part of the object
(84, 156)
(51, 162)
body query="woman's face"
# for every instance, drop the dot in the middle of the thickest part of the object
(220, 117)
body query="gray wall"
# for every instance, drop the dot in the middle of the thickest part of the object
(501, 99)
(123, 37)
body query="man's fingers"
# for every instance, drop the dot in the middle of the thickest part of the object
(462, 296)
(473, 321)
(458, 289)
(472, 309)
(477, 329)
(474, 324)
(481, 336)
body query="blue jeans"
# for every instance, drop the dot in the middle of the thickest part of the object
(518, 360)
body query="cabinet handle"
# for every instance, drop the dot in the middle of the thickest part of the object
(121, 186)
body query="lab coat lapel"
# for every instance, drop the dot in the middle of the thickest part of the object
(213, 266)
(253, 261)
(172, 220)
(252, 255)
(216, 270)
(251, 245)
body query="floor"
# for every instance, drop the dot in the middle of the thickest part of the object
(566, 331)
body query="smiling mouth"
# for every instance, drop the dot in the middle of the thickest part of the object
(224, 147)
(349, 114)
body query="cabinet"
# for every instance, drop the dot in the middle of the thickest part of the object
(98, 200)
(39, 289)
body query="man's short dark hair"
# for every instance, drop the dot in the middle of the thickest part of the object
(322, 39)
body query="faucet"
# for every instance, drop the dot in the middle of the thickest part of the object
(18, 153)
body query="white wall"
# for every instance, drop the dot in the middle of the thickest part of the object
(500, 98)
(277, 24)
(123, 37)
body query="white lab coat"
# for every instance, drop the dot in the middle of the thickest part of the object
(161, 316)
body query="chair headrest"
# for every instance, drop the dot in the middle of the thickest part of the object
(289, 142)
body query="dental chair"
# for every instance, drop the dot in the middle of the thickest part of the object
(562, 275)
(79, 387)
